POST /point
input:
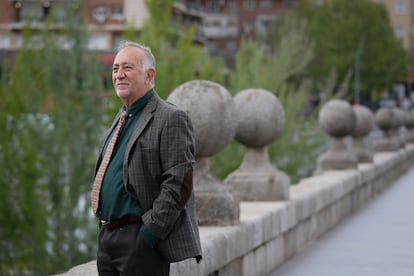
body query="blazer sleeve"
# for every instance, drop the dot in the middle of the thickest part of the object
(176, 157)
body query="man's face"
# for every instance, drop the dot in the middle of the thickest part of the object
(129, 79)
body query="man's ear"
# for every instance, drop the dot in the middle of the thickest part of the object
(151, 74)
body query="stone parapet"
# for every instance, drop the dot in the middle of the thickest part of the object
(271, 232)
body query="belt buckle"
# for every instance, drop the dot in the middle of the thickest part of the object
(105, 222)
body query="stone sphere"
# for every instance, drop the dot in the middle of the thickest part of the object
(261, 117)
(399, 117)
(409, 119)
(212, 111)
(385, 118)
(337, 118)
(364, 121)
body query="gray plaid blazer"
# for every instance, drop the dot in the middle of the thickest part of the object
(158, 172)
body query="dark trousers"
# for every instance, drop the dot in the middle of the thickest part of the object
(124, 252)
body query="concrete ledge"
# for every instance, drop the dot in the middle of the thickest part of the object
(271, 232)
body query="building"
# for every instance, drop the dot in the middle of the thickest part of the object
(401, 14)
(223, 24)
(106, 22)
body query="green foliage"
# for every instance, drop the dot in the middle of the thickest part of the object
(252, 65)
(50, 129)
(284, 57)
(279, 66)
(180, 60)
(288, 51)
(340, 27)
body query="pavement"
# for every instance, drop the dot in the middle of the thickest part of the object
(378, 240)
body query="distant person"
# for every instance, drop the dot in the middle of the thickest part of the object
(405, 103)
(145, 207)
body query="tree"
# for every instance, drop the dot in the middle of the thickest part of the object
(51, 123)
(269, 64)
(180, 60)
(340, 28)
(278, 65)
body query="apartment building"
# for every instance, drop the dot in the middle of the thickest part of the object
(106, 19)
(222, 24)
(401, 14)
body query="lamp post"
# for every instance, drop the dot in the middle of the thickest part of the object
(357, 68)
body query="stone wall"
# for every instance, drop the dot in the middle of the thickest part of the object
(271, 232)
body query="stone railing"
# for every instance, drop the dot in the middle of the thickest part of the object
(254, 220)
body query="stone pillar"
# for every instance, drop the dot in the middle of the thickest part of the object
(385, 120)
(409, 124)
(337, 119)
(363, 126)
(212, 112)
(261, 120)
(399, 125)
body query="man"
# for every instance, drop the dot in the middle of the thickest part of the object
(143, 196)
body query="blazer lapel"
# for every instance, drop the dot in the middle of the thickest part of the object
(144, 119)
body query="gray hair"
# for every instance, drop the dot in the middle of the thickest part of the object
(149, 59)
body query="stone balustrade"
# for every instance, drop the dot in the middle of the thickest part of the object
(254, 220)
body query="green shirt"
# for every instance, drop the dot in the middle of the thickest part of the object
(115, 201)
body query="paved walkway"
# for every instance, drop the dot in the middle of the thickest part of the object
(376, 241)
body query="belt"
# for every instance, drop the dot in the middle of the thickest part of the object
(119, 223)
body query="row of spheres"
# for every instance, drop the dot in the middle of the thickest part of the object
(255, 118)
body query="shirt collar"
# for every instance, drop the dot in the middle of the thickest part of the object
(139, 104)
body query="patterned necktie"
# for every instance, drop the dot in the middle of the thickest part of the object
(104, 164)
